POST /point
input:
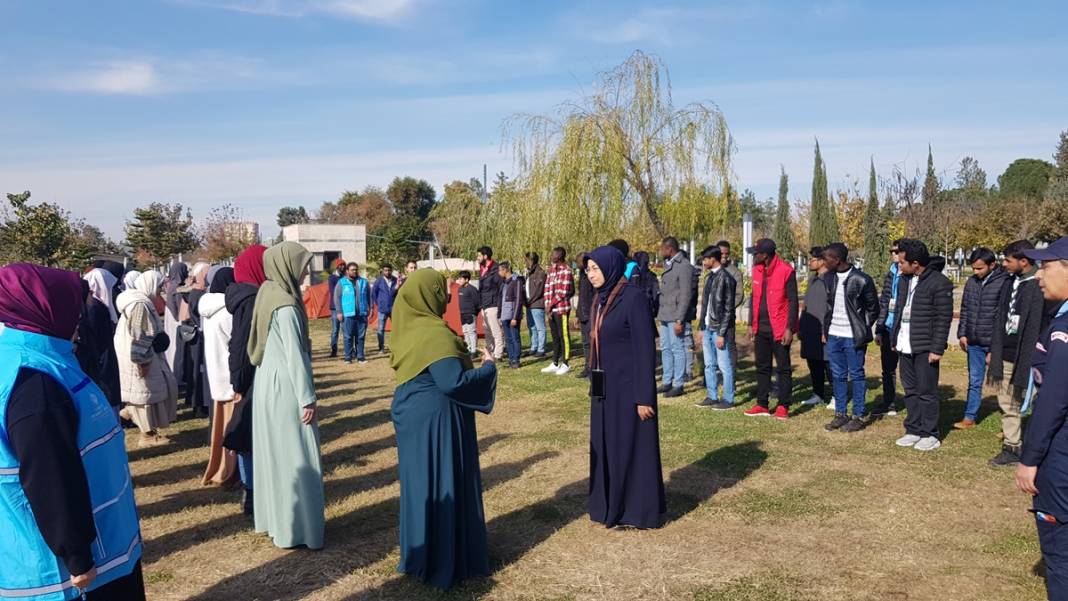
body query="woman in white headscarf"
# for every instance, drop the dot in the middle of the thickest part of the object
(97, 333)
(102, 286)
(130, 278)
(149, 390)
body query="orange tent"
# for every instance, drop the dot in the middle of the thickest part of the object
(317, 306)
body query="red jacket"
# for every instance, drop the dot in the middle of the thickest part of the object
(780, 274)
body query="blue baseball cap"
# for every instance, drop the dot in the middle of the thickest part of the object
(1056, 251)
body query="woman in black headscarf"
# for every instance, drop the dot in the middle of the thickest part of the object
(177, 352)
(626, 481)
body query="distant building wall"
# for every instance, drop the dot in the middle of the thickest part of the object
(328, 242)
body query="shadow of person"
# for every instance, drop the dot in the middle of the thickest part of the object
(690, 486)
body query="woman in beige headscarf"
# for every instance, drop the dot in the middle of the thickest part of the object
(197, 390)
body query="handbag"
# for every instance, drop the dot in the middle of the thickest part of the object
(141, 350)
(188, 332)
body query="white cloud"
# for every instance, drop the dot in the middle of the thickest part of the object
(666, 26)
(138, 77)
(387, 11)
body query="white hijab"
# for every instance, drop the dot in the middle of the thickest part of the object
(101, 285)
(130, 278)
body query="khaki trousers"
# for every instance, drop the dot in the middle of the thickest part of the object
(1010, 400)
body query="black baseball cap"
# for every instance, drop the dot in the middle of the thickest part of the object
(764, 245)
(1056, 251)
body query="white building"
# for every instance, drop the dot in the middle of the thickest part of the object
(329, 242)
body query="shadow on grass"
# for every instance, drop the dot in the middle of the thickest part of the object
(690, 486)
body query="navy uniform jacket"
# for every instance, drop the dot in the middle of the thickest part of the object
(1046, 440)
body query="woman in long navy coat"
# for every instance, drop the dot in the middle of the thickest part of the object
(626, 480)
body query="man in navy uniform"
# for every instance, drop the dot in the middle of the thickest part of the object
(1043, 469)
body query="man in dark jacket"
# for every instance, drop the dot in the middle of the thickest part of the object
(582, 312)
(677, 302)
(883, 339)
(513, 298)
(732, 268)
(978, 307)
(383, 293)
(1019, 320)
(717, 330)
(535, 295)
(644, 278)
(925, 313)
(852, 308)
(1043, 469)
(489, 292)
(469, 307)
(331, 282)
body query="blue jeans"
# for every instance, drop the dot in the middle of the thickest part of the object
(511, 341)
(355, 332)
(335, 329)
(673, 350)
(847, 366)
(244, 468)
(722, 358)
(976, 374)
(536, 325)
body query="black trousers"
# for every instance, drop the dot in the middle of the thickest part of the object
(127, 588)
(821, 376)
(919, 377)
(889, 359)
(1053, 540)
(585, 326)
(767, 348)
(561, 338)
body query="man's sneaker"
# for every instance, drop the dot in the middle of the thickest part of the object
(855, 425)
(927, 443)
(722, 406)
(782, 413)
(812, 400)
(964, 424)
(1008, 457)
(333, 354)
(362, 361)
(664, 388)
(838, 421)
(706, 404)
(673, 393)
(757, 411)
(563, 369)
(883, 411)
(831, 404)
(907, 440)
(550, 369)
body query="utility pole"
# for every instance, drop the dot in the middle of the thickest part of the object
(485, 184)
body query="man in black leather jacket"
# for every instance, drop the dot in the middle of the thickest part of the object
(717, 330)
(852, 308)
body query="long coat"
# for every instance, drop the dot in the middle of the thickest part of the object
(626, 479)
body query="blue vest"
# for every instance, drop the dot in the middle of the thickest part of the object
(28, 568)
(349, 295)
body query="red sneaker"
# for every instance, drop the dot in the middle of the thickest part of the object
(782, 413)
(757, 411)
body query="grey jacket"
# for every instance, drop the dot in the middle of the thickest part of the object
(677, 289)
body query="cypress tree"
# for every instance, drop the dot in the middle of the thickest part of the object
(823, 223)
(784, 236)
(875, 242)
(930, 183)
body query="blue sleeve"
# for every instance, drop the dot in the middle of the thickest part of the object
(474, 388)
(1051, 405)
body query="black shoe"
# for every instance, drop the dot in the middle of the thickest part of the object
(855, 425)
(583, 375)
(1008, 457)
(687, 379)
(706, 404)
(664, 388)
(722, 406)
(674, 392)
(246, 502)
(333, 353)
(837, 422)
(349, 361)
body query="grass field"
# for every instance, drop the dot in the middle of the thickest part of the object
(758, 510)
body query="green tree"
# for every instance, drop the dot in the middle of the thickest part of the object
(1027, 178)
(782, 232)
(86, 241)
(291, 216)
(970, 176)
(160, 231)
(823, 223)
(876, 245)
(930, 182)
(1058, 184)
(410, 196)
(39, 233)
(452, 218)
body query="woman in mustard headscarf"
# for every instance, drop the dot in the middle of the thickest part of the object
(442, 524)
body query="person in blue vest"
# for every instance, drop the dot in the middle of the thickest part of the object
(383, 293)
(352, 297)
(1043, 469)
(66, 496)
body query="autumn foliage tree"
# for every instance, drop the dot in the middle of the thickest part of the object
(226, 233)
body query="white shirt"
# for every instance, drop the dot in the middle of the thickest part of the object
(839, 317)
(904, 335)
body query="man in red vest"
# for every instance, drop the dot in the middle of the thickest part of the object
(773, 322)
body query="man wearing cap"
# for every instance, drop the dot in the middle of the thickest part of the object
(1043, 469)
(335, 327)
(774, 323)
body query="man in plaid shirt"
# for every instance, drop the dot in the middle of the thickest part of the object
(559, 288)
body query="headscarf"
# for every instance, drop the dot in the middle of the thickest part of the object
(284, 266)
(200, 275)
(129, 279)
(420, 335)
(222, 277)
(114, 268)
(40, 299)
(612, 264)
(149, 283)
(102, 286)
(176, 277)
(248, 268)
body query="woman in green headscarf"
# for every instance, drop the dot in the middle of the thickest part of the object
(286, 464)
(442, 524)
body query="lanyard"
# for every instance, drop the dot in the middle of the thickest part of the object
(598, 320)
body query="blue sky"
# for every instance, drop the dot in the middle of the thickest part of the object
(109, 105)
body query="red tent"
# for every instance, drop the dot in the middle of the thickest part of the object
(317, 306)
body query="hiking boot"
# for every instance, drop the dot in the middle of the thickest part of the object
(782, 413)
(907, 440)
(664, 388)
(673, 393)
(964, 424)
(757, 411)
(927, 443)
(1008, 457)
(855, 425)
(706, 404)
(838, 421)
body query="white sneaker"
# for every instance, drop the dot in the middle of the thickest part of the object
(813, 400)
(550, 369)
(831, 404)
(563, 369)
(908, 440)
(927, 443)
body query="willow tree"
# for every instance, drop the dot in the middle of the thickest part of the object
(624, 152)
